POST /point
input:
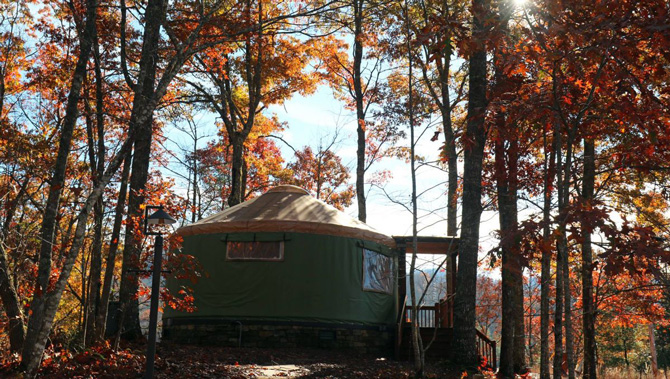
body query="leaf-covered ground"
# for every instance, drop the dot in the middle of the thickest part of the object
(187, 361)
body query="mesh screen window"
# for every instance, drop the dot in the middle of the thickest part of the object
(377, 272)
(255, 251)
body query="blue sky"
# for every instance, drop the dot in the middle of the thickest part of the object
(318, 117)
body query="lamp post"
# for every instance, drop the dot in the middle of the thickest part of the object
(160, 217)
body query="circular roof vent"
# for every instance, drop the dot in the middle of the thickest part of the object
(288, 189)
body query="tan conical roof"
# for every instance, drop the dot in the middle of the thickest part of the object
(286, 209)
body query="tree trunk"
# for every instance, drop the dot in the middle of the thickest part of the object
(506, 217)
(143, 92)
(360, 109)
(567, 307)
(558, 311)
(452, 206)
(8, 295)
(132, 242)
(562, 270)
(549, 166)
(452, 200)
(588, 319)
(32, 343)
(44, 307)
(506, 163)
(194, 206)
(512, 356)
(254, 80)
(417, 343)
(443, 66)
(466, 286)
(11, 304)
(558, 317)
(97, 164)
(652, 351)
(625, 355)
(532, 340)
(519, 330)
(237, 183)
(42, 318)
(452, 189)
(83, 269)
(93, 298)
(101, 320)
(449, 146)
(563, 253)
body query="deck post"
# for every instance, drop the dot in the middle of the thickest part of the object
(494, 363)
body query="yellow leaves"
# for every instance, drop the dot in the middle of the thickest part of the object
(323, 174)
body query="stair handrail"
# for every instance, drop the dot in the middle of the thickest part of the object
(401, 321)
(491, 344)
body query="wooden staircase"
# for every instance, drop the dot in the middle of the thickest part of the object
(439, 337)
(434, 320)
(439, 348)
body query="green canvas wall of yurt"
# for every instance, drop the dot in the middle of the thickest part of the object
(287, 269)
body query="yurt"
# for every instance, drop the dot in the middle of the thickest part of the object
(285, 269)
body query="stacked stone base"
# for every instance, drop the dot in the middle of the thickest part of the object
(376, 340)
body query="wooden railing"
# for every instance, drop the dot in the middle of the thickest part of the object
(427, 317)
(430, 316)
(486, 349)
(446, 313)
(441, 315)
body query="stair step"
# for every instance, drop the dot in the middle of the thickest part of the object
(439, 349)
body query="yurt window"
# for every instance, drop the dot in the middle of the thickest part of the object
(377, 272)
(255, 251)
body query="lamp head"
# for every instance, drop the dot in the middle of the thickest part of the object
(160, 217)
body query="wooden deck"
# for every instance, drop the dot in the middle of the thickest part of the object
(439, 338)
(435, 321)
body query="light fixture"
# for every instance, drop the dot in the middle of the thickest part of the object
(160, 217)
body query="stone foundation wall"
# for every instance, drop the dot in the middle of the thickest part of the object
(360, 340)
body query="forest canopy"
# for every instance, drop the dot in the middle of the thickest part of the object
(552, 116)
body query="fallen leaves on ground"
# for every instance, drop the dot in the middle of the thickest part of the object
(188, 361)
